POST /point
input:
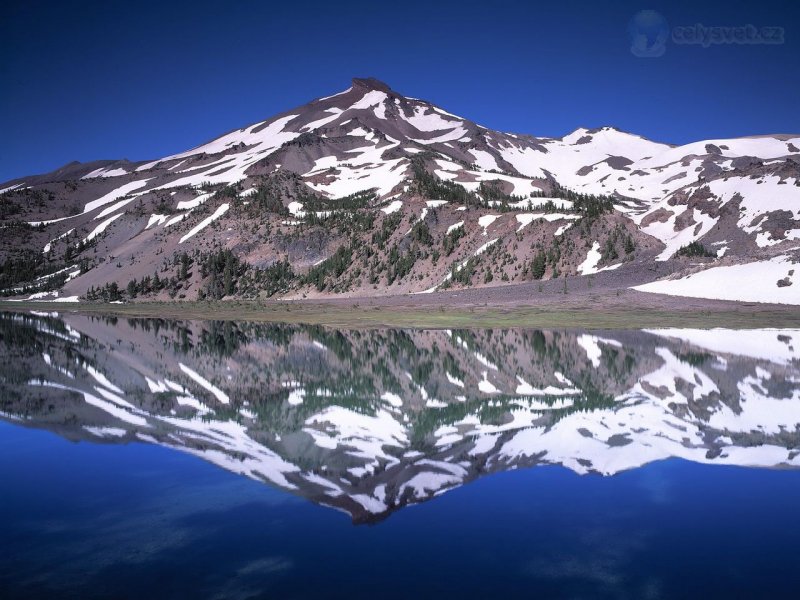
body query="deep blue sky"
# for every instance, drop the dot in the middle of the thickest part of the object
(90, 80)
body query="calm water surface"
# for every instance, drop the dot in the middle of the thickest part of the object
(164, 459)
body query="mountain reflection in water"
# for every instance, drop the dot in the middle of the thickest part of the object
(369, 421)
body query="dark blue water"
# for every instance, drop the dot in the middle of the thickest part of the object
(85, 520)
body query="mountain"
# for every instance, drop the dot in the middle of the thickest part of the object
(367, 192)
(370, 421)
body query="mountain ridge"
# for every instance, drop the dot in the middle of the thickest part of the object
(593, 199)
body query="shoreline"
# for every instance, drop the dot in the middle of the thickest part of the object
(502, 306)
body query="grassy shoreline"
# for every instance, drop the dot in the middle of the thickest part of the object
(427, 317)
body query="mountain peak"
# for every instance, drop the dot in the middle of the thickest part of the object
(371, 84)
(364, 148)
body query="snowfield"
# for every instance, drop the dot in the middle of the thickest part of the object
(589, 265)
(751, 282)
(115, 194)
(101, 228)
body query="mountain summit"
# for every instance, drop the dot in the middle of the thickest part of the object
(370, 192)
(371, 84)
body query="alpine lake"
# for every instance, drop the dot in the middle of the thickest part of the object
(145, 458)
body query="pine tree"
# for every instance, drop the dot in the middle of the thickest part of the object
(538, 265)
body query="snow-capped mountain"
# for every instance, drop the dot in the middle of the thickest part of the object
(460, 204)
(371, 421)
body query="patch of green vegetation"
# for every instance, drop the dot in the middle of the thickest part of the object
(618, 240)
(223, 268)
(347, 222)
(110, 292)
(323, 275)
(591, 315)
(271, 280)
(694, 249)
(450, 241)
(428, 185)
(421, 233)
(589, 206)
(8, 207)
(400, 264)
(463, 274)
(537, 266)
(28, 271)
(268, 198)
(355, 201)
(695, 359)
(389, 225)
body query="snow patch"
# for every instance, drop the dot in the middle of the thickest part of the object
(221, 210)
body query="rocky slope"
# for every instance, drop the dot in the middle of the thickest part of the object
(368, 192)
(369, 421)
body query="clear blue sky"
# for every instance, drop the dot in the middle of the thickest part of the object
(138, 80)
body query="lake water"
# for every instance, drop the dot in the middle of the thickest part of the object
(162, 459)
